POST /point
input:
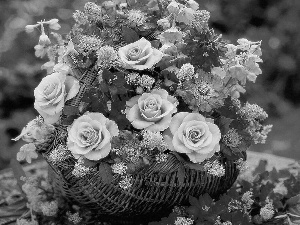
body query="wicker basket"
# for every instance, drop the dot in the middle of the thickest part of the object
(155, 190)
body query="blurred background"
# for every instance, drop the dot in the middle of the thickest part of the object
(277, 90)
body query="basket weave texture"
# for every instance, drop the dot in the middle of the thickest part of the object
(155, 189)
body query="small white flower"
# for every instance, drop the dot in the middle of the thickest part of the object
(27, 152)
(44, 40)
(53, 24)
(49, 208)
(173, 7)
(193, 4)
(30, 28)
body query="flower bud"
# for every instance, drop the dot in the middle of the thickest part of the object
(123, 5)
(44, 40)
(165, 23)
(53, 24)
(173, 7)
(30, 28)
(109, 7)
(193, 4)
(40, 51)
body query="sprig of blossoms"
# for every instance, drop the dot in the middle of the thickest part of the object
(88, 44)
(202, 93)
(232, 138)
(126, 182)
(241, 62)
(183, 221)
(247, 199)
(267, 212)
(59, 154)
(254, 114)
(136, 17)
(241, 165)
(27, 152)
(106, 57)
(93, 12)
(74, 217)
(153, 140)
(214, 168)
(119, 168)
(186, 72)
(49, 208)
(80, 170)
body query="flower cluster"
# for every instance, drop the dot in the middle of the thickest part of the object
(130, 89)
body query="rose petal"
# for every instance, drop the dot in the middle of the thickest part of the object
(168, 137)
(112, 127)
(206, 134)
(216, 133)
(72, 87)
(137, 121)
(49, 119)
(72, 134)
(179, 146)
(75, 149)
(150, 113)
(99, 154)
(161, 125)
(177, 121)
(149, 96)
(97, 117)
(196, 157)
(146, 53)
(141, 124)
(105, 138)
(151, 61)
(133, 113)
(166, 108)
(133, 101)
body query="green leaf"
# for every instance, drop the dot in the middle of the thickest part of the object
(70, 110)
(181, 175)
(16, 209)
(293, 200)
(129, 35)
(105, 173)
(261, 167)
(194, 202)
(18, 172)
(69, 120)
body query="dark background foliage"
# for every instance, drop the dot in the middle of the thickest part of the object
(275, 22)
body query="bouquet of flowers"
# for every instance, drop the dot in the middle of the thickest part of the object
(140, 108)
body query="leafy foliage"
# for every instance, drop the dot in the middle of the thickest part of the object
(242, 204)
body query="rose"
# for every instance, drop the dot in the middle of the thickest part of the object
(139, 55)
(151, 111)
(52, 93)
(90, 136)
(35, 131)
(194, 135)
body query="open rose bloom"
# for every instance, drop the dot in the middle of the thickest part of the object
(52, 93)
(90, 136)
(140, 55)
(194, 135)
(151, 111)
